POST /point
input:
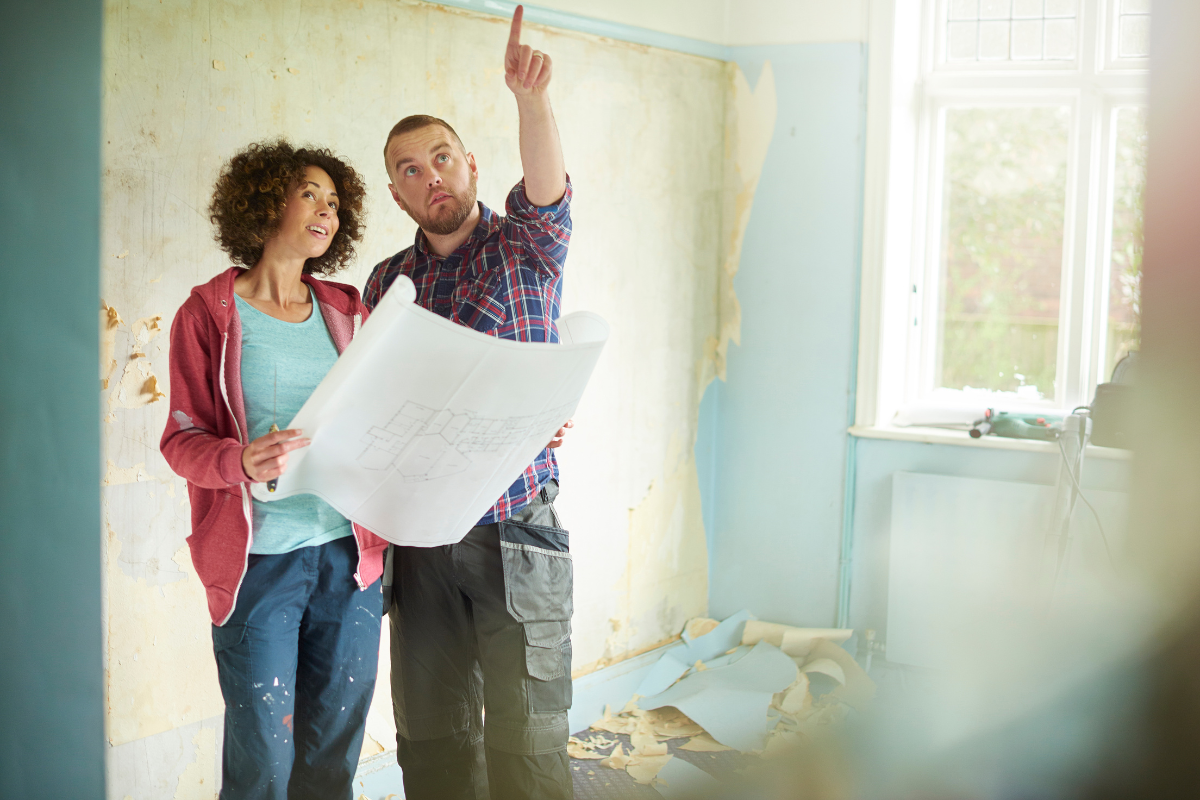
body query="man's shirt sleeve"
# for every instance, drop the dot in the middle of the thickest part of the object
(377, 284)
(542, 233)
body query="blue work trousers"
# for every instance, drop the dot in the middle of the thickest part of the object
(297, 662)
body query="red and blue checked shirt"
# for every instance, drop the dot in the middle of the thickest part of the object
(505, 281)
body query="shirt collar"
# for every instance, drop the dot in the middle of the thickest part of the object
(488, 222)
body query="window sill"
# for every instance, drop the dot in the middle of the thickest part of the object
(963, 439)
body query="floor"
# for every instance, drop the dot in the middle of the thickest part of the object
(594, 782)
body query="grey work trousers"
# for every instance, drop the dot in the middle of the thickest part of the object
(485, 624)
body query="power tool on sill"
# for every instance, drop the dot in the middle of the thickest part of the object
(1043, 427)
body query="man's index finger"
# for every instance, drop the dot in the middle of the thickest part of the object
(514, 33)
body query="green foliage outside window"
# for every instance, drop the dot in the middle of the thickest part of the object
(1125, 280)
(1004, 200)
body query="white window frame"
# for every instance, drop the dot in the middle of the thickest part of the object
(907, 91)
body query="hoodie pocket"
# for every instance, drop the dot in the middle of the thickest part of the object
(203, 519)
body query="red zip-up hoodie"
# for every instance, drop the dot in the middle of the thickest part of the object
(206, 432)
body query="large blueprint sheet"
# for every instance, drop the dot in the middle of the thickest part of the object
(422, 424)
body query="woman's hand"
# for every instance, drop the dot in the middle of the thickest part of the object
(561, 434)
(266, 457)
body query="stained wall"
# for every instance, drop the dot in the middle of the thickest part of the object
(651, 142)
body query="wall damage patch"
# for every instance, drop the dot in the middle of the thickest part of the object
(666, 579)
(160, 673)
(198, 779)
(146, 329)
(114, 475)
(138, 386)
(181, 763)
(110, 322)
(150, 556)
(749, 128)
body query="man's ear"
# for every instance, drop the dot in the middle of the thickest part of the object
(471, 164)
(396, 197)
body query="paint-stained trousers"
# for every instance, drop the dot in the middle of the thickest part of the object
(297, 663)
(485, 624)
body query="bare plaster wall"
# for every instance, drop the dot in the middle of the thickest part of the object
(650, 142)
(733, 22)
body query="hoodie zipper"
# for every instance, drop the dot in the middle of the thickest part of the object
(353, 525)
(246, 510)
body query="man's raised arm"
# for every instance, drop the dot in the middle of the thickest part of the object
(527, 73)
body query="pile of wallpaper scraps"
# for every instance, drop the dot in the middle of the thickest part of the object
(739, 684)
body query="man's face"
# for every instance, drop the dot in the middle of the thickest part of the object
(433, 180)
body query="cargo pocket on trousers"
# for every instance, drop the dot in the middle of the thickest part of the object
(543, 649)
(538, 582)
(234, 663)
(548, 662)
(227, 636)
(538, 574)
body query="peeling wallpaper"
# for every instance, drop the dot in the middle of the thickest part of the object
(664, 151)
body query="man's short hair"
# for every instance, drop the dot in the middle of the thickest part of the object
(416, 122)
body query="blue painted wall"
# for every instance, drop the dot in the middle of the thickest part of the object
(772, 445)
(51, 700)
(778, 461)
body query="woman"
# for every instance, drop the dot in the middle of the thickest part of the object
(293, 587)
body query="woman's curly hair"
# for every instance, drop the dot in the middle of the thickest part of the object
(248, 200)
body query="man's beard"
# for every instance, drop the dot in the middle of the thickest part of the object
(445, 225)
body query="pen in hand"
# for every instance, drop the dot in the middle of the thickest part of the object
(271, 484)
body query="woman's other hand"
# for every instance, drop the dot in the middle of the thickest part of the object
(266, 457)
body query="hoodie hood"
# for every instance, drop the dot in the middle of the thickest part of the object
(217, 296)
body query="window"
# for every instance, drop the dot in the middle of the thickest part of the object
(1002, 241)
(1011, 31)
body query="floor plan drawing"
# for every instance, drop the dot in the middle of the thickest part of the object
(422, 424)
(431, 444)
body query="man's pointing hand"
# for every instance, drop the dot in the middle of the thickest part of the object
(526, 71)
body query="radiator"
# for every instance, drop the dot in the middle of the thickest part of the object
(963, 549)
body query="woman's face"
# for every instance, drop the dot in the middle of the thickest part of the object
(310, 216)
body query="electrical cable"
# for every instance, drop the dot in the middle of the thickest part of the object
(1079, 493)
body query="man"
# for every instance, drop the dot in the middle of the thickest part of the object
(485, 622)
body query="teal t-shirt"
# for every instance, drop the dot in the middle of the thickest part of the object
(282, 363)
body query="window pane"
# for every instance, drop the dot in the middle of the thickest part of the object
(1134, 37)
(1004, 197)
(993, 41)
(964, 38)
(1060, 8)
(964, 9)
(1060, 39)
(1028, 8)
(1011, 30)
(995, 9)
(1027, 40)
(1135, 6)
(1125, 280)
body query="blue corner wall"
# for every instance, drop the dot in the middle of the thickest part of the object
(781, 494)
(775, 432)
(51, 698)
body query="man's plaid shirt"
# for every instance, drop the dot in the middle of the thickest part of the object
(505, 281)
